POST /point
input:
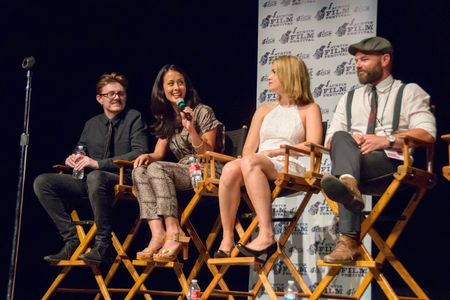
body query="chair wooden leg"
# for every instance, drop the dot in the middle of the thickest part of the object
(139, 282)
(62, 274)
(100, 282)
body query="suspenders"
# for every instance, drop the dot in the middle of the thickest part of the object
(396, 116)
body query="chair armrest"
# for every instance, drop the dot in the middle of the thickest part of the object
(123, 164)
(208, 155)
(289, 148)
(317, 148)
(315, 155)
(62, 168)
(414, 142)
(446, 137)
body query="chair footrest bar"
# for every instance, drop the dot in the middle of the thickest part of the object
(358, 263)
(82, 223)
(161, 264)
(336, 296)
(225, 294)
(66, 263)
(236, 261)
(161, 293)
(90, 291)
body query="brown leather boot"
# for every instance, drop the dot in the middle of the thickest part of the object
(344, 190)
(347, 250)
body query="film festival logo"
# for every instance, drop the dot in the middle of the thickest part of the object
(291, 248)
(264, 78)
(350, 272)
(346, 68)
(330, 89)
(323, 72)
(280, 268)
(320, 208)
(332, 12)
(321, 247)
(352, 28)
(268, 41)
(266, 96)
(296, 2)
(270, 3)
(324, 33)
(303, 56)
(294, 36)
(330, 51)
(330, 289)
(317, 270)
(269, 56)
(276, 20)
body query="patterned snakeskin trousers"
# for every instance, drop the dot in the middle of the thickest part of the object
(156, 186)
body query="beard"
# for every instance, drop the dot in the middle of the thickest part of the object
(370, 76)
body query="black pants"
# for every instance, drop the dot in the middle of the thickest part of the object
(60, 193)
(346, 158)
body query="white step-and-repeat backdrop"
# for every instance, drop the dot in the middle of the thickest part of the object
(319, 32)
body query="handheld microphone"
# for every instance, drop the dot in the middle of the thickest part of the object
(181, 105)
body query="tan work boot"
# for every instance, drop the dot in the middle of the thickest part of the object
(344, 190)
(347, 250)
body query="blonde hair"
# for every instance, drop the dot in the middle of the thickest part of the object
(294, 78)
(111, 78)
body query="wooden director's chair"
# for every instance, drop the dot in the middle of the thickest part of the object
(122, 192)
(285, 183)
(407, 175)
(234, 142)
(446, 169)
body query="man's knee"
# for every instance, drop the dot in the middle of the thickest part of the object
(41, 183)
(342, 138)
(98, 179)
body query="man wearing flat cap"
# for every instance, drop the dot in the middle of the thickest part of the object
(367, 126)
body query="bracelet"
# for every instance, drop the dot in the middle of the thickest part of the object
(196, 147)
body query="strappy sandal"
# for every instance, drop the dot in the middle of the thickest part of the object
(169, 255)
(148, 252)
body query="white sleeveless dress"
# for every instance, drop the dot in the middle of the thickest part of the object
(282, 126)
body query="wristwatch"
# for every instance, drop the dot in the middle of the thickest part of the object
(391, 138)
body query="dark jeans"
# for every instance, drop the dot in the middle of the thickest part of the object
(346, 158)
(60, 193)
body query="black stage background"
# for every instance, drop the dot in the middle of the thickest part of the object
(216, 42)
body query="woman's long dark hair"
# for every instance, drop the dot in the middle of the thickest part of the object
(166, 118)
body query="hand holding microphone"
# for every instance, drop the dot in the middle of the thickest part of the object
(182, 105)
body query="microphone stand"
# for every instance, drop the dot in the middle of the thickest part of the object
(27, 64)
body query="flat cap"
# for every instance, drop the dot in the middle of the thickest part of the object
(374, 44)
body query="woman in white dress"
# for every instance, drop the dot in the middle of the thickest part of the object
(292, 119)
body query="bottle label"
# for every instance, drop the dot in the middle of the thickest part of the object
(193, 168)
(289, 296)
(195, 294)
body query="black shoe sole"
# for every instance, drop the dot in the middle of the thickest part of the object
(255, 253)
(338, 192)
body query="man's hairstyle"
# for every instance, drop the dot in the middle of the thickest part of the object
(111, 78)
(294, 78)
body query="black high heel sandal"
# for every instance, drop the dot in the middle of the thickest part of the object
(257, 253)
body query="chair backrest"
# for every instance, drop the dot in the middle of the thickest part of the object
(234, 141)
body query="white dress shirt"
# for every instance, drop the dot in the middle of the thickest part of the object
(414, 113)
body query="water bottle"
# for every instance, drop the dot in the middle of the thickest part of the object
(194, 290)
(79, 152)
(290, 293)
(194, 171)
